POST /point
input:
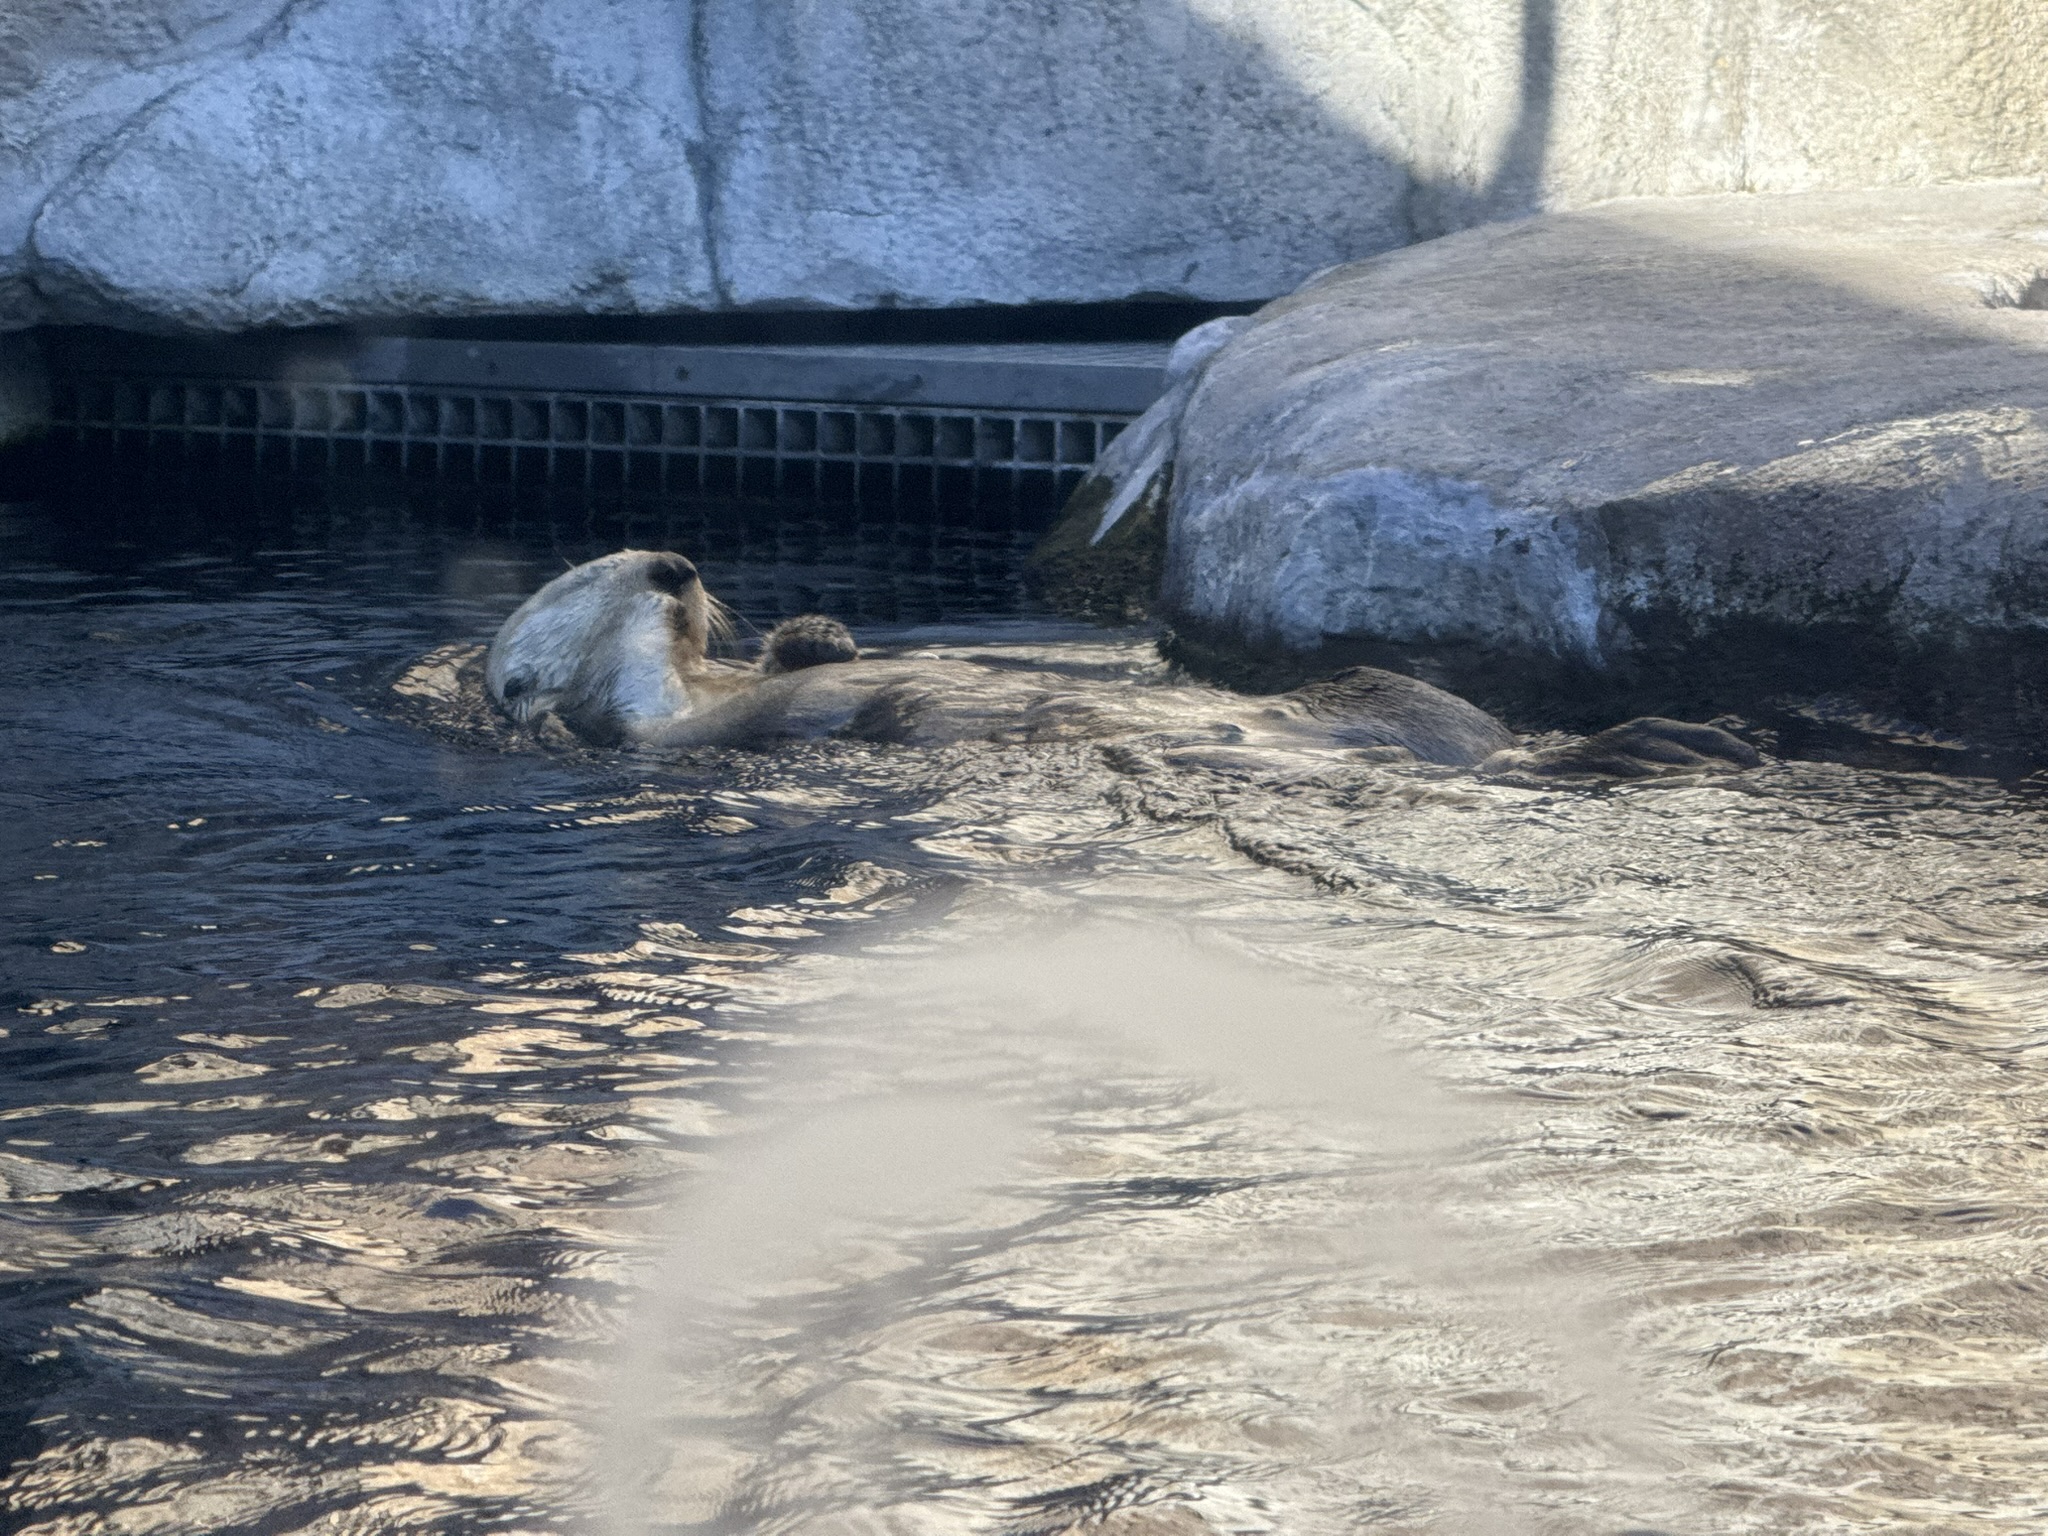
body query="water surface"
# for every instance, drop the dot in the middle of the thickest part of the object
(404, 1130)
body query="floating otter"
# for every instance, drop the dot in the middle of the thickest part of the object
(617, 650)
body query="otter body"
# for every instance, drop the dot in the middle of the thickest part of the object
(616, 650)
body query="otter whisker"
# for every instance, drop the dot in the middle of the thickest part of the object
(749, 631)
(719, 620)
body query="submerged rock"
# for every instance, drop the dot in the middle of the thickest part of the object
(1635, 749)
(1672, 452)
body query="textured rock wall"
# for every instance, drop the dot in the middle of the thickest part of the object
(361, 157)
(222, 163)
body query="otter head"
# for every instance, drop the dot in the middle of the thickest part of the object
(604, 647)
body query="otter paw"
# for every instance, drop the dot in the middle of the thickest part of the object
(1636, 749)
(809, 640)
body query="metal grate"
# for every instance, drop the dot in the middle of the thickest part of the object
(731, 447)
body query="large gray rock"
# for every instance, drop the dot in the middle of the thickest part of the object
(225, 163)
(1795, 435)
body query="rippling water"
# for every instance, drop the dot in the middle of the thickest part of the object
(404, 1130)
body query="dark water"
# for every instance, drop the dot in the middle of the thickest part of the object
(404, 1130)
(211, 825)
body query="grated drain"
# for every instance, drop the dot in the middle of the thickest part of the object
(735, 447)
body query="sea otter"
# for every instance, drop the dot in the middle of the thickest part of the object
(618, 651)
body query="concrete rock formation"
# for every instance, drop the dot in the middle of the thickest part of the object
(236, 165)
(169, 163)
(1666, 439)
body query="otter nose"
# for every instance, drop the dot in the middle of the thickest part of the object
(670, 573)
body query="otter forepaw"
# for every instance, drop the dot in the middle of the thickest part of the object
(808, 640)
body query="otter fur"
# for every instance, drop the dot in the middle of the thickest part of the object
(618, 651)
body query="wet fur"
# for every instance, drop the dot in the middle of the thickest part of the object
(808, 640)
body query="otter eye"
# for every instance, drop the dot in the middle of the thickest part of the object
(671, 575)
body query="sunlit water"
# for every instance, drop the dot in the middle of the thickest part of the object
(404, 1129)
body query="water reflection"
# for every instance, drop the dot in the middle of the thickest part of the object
(400, 1132)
